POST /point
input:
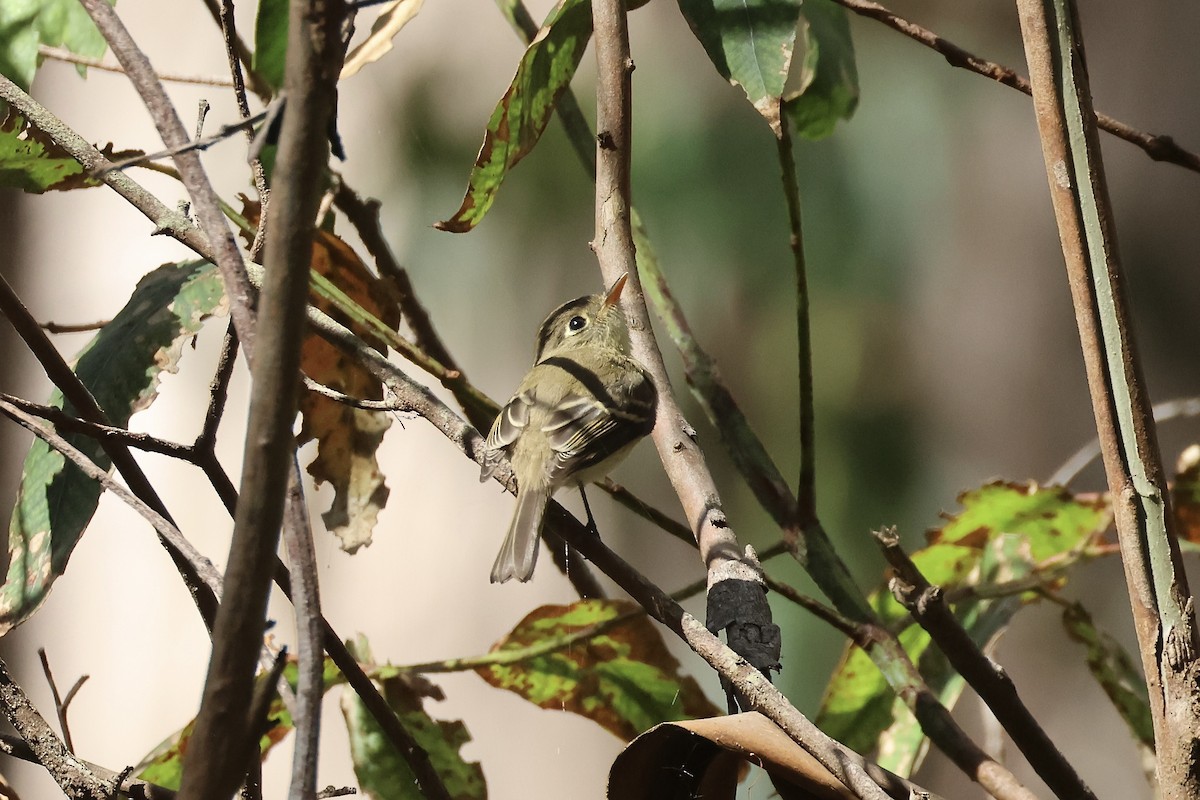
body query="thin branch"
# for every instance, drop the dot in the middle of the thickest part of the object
(199, 143)
(806, 488)
(205, 202)
(928, 607)
(79, 327)
(72, 775)
(61, 703)
(1162, 603)
(103, 433)
(229, 34)
(244, 56)
(1078, 462)
(353, 402)
(314, 56)
(218, 392)
(1158, 147)
(62, 54)
(306, 600)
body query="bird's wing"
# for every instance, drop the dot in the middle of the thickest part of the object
(511, 420)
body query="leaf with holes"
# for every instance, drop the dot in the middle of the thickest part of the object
(622, 678)
(121, 366)
(347, 438)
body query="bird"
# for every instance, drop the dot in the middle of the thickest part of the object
(577, 413)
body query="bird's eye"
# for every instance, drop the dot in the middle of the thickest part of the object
(576, 324)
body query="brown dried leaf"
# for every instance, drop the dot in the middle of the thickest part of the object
(347, 437)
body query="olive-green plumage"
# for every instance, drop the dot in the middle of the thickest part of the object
(576, 414)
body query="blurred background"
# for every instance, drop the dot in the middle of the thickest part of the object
(944, 345)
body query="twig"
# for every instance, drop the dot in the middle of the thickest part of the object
(75, 778)
(1162, 604)
(102, 433)
(613, 244)
(229, 34)
(1158, 147)
(218, 392)
(330, 791)
(345, 399)
(1171, 409)
(928, 607)
(245, 58)
(62, 54)
(315, 52)
(204, 198)
(306, 600)
(79, 327)
(198, 143)
(61, 703)
(806, 487)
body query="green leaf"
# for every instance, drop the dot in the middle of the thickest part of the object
(623, 678)
(750, 42)
(523, 112)
(25, 164)
(121, 366)
(32, 161)
(1116, 672)
(1005, 533)
(828, 74)
(270, 41)
(1054, 520)
(382, 772)
(24, 24)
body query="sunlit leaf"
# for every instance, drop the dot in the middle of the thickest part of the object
(828, 73)
(623, 679)
(383, 774)
(1005, 533)
(25, 24)
(121, 366)
(521, 115)
(750, 42)
(33, 162)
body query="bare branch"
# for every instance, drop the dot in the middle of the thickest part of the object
(1159, 147)
(62, 54)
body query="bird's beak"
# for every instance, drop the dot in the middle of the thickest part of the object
(614, 294)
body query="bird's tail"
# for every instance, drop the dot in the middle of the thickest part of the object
(518, 554)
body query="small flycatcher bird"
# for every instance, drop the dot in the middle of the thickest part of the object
(577, 413)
